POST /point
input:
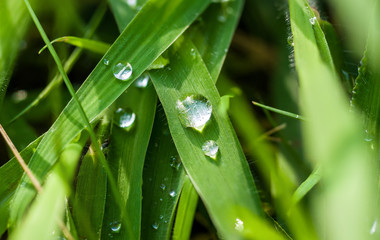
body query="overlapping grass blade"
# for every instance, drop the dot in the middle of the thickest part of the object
(186, 210)
(102, 88)
(48, 209)
(333, 136)
(212, 179)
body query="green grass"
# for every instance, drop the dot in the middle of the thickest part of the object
(118, 160)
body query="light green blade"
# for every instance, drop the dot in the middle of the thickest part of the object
(333, 136)
(211, 178)
(102, 88)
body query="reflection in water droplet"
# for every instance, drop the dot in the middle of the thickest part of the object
(163, 187)
(210, 148)
(124, 118)
(373, 228)
(194, 111)
(172, 193)
(106, 61)
(312, 20)
(142, 81)
(122, 71)
(115, 226)
(155, 225)
(239, 225)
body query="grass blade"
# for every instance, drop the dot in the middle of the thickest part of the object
(194, 78)
(186, 210)
(282, 112)
(101, 84)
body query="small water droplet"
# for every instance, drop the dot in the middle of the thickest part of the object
(132, 3)
(161, 217)
(222, 18)
(122, 71)
(312, 20)
(150, 179)
(175, 162)
(194, 111)
(106, 61)
(373, 228)
(166, 221)
(192, 52)
(163, 187)
(19, 96)
(142, 81)
(155, 225)
(161, 199)
(172, 193)
(239, 225)
(210, 148)
(115, 226)
(290, 40)
(155, 144)
(124, 118)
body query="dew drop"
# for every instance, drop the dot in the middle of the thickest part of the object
(115, 226)
(19, 96)
(222, 18)
(142, 81)
(194, 111)
(125, 118)
(161, 199)
(175, 162)
(312, 20)
(210, 148)
(163, 187)
(132, 3)
(155, 225)
(122, 71)
(192, 52)
(161, 217)
(172, 193)
(373, 228)
(166, 221)
(106, 61)
(239, 225)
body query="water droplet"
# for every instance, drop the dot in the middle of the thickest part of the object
(161, 217)
(106, 61)
(142, 81)
(172, 193)
(166, 221)
(115, 226)
(192, 52)
(373, 228)
(150, 179)
(194, 111)
(161, 199)
(124, 118)
(210, 148)
(155, 225)
(222, 18)
(239, 225)
(312, 20)
(175, 162)
(163, 187)
(155, 144)
(19, 96)
(122, 71)
(132, 3)
(290, 40)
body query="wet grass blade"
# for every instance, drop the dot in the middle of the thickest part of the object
(333, 139)
(102, 88)
(211, 178)
(186, 210)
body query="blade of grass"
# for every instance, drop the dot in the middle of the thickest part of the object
(69, 63)
(282, 112)
(186, 210)
(192, 77)
(98, 85)
(333, 138)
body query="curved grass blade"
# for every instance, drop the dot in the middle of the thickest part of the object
(211, 178)
(42, 219)
(92, 45)
(186, 210)
(101, 88)
(334, 137)
(282, 112)
(69, 63)
(307, 185)
(126, 155)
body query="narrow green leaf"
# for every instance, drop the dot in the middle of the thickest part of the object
(186, 210)
(307, 185)
(102, 88)
(282, 112)
(208, 175)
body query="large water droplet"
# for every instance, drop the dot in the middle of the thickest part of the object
(312, 20)
(194, 111)
(125, 118)
(175, 162)
(155, 225)
(142, 81)
(172, 193)
(122, 71)
(210, 148)
(239, 225)
(115, 226)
